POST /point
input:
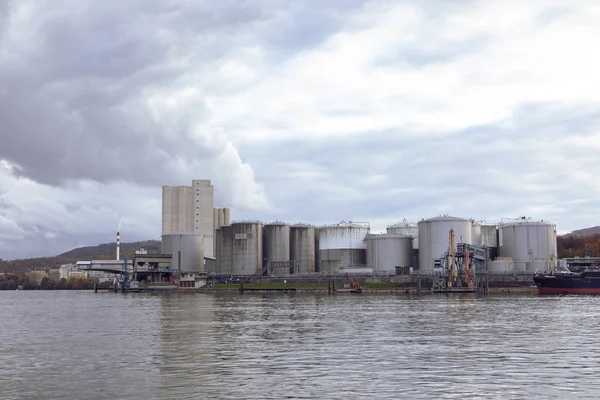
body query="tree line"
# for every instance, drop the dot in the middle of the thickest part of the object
(578, 246)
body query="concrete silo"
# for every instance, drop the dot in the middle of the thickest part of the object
(385, 252)
(276, 241)
(276, 248)
(224, 254)
(342, 245)
(434, 239)
(187, 250)
(247, 248)
(302, 247)
(526, 240)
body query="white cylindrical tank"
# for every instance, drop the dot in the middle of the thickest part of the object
(501, 266)
(406, 228)
(527, 240)
(227, 216)
(434, 239)
(342, 245)
(276, 241)
(387, 251)
(247, 248)
(187, 250)
(302, 247)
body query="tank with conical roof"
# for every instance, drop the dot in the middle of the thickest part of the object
(434, 239)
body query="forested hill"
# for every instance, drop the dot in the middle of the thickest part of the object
(106, 251)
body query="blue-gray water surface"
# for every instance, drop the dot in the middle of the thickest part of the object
(81, 345)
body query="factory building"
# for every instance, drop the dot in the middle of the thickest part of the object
(190, 210)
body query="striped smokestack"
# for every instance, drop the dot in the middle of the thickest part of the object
(118, 244)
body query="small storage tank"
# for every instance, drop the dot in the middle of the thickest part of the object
(434, 239)
(501, 266)
(526, 240)
(406, 228)
(187, 250)
(224, 254)
(247, 248)
(387, 251)
(302, 247)
(276, 241)
(539, 266)
(342, 245)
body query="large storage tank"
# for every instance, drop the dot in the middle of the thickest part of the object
(501, 266)
(247, 248)
(187, 250)
(527, 240)
(276, 241)
(406, 228)
(385, 252)
(302, 247)
(342, 245)
(434, 239)
(224, 253)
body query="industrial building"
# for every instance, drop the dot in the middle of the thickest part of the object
(190, 210)
(455, 249)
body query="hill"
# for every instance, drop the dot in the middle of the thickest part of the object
(595, 230)
(105, 251)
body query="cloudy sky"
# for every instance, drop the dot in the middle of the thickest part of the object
(314, 111)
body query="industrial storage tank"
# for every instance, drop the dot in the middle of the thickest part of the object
(227, 216)
(501, 266)
(387, 251)
(302, 247)
(342, 245)
(489, 236)
(476, 238)
(187, 250)
(276, 241)
(224, 254)
(537, 266)
(247, 248)
(406, 228)
(526, 240)
(434, 239)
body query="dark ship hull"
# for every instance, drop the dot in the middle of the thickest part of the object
(583, 283)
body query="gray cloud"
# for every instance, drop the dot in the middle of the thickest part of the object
(302, 111)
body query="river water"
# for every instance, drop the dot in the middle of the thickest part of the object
(81, 345)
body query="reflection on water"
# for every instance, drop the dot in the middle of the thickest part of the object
(73, 345)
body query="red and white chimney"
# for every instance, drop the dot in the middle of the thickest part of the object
(118, 244)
